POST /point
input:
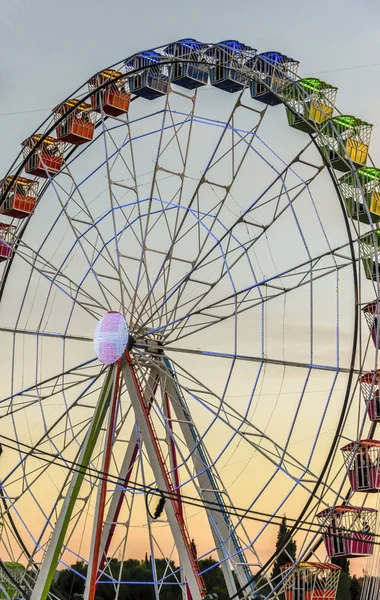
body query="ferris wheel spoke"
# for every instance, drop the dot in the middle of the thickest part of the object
(64, 336)
(259, 359)
(222, 411)
(244, 248)
(138, 236)
(51, 385)
(56, 432)
(114, 202)
(43, 391)
(132, 220)
(98, 248)
(248, 138)
(250, 297)
(42, 470)
(83, 206)
(217, 155)
(229, 238)
(45, 577)
(91, 225)
(210, 487)
(31, 479)
(54, 276)
(140, 269)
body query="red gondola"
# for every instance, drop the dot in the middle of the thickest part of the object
(44, 155)
(112, 99)
(363, 466)
(75, 122)
(18, 196)
(6, 240)
(348, 530)
(310, 581)
(370, 385)
(371, 313)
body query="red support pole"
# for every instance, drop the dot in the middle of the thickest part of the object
(103, 488)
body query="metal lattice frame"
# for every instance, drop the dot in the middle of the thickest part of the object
(174, 303)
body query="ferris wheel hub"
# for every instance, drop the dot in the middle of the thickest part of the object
(111, 338)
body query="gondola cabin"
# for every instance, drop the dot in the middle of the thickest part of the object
(361, 193)
(310, 581)
(189, 69)
(75, 122)
(348, 530)
(362, 462)
(43, 154)
(18, 196)
(271, 71)
(112, 99)
(7, 233)
(309, 102)
(151, 79)
(371, 314)
(345, 138)
(370, 254)
(370, 388)
(227, 65)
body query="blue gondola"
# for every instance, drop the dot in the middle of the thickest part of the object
(227, 61)
(272, 70)
(152, 81)
(186, 74)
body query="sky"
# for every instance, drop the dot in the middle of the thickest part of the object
(49, 48)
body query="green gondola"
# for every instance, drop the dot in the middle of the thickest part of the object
(309, 102)
(360, 189)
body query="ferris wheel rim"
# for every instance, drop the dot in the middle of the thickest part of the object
(351, 242)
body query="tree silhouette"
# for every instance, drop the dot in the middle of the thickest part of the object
(355, 588)
(286, 549)
(343, 591)
(139, 573)
(71, 586)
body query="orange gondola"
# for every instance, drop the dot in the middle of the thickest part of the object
(44, 155)
(75, 122)
(310, 581)
(6, 240)
(112, 99)
(18, 196)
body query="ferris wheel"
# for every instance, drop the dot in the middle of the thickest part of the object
(186, 244)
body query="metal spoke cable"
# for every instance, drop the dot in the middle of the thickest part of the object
(135, 486)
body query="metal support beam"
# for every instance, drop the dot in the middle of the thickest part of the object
(156, 459)
(50, 562)
(225, 538)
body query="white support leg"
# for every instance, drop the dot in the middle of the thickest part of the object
(94, 557)
(124, 475)
(177, 527)
(50, 562)
(225, 539)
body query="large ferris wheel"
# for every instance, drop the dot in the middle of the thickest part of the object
(183, 355)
